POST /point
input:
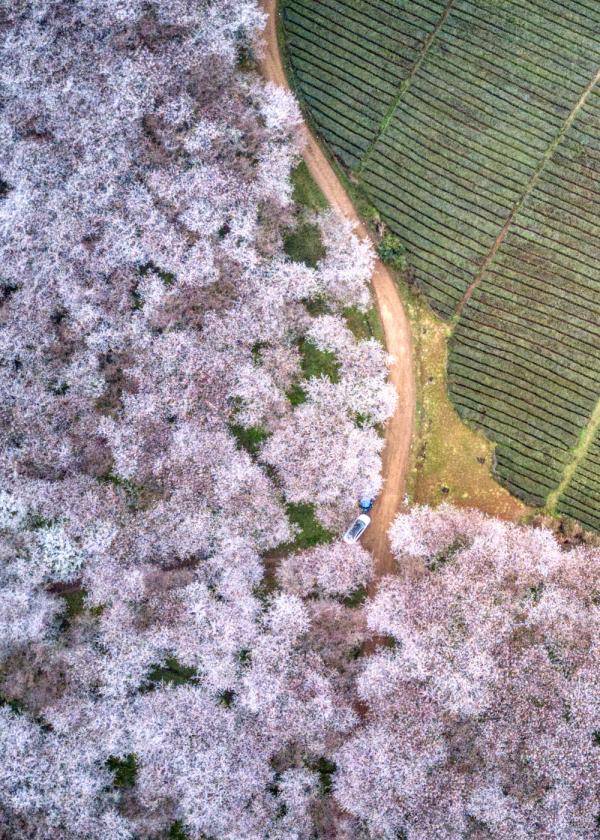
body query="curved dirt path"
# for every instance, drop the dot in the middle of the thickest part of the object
(396, 326)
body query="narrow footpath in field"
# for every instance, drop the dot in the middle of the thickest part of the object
(396, 326)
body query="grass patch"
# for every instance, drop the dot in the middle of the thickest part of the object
(325, 770)
(177, 832)
(304, 244)
(250, 439)
(123, 769)
(364, 325)
(257, 349)
(313, 363)
(355, 598)
(311, 531)
(244, 657)
(171, 672)
(296, 394)
(75, 603)
(167, 277)
(245, 58)
(306, 192)
(36, 522)
(317, 306)
(17, 707)
(355, 652)
(75, 606)
(226, 698)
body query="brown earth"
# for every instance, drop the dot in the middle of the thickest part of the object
(395, 323)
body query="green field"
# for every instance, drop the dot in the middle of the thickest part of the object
(473, 129)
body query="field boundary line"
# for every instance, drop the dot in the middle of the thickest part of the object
(534, 178)
(586, 439)
(405, 84)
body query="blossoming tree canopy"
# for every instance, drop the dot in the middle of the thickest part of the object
(187, 422)
(152, 327)
(485, 709)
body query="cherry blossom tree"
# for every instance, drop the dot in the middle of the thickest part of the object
(330, 569)
(483, 715)
(50, 786)
(152, 331)
(429, 532)
(347, 265)
(363, 370)
(148, 313)
(323, 457)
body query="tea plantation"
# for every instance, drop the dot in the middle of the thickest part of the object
(473, 127)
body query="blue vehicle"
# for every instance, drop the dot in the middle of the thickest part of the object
(365, 504)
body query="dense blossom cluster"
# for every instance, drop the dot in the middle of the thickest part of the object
(172, 663)
(149, 320)
(484, 714)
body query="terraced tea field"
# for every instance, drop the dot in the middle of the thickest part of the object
(581, 498)
(474, 129)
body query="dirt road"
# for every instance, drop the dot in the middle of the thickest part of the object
(395, 324)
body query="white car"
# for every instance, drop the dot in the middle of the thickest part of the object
(357, 529)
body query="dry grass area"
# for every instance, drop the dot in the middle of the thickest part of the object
(449, 461)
